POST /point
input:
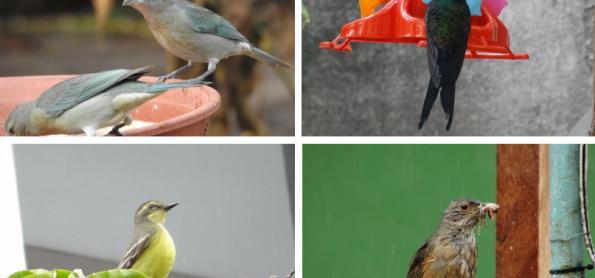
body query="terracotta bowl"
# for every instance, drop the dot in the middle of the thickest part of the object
(180, 112)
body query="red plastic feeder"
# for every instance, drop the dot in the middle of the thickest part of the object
(402, 21)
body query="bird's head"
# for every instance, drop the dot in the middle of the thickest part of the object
(147, 5)
(17, 122)
(153, 211)
(467, 213)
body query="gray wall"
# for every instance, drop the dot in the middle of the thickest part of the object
(234, 219)
(378, 89)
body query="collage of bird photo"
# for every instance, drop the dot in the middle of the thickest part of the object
(297, 139)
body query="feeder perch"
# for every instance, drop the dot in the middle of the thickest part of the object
(402, 21)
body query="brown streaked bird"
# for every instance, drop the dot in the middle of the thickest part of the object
(451, 252)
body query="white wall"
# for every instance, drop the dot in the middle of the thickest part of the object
(12, 257)
(234, 219)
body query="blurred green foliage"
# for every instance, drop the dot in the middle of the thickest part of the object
(61, 273)
(119, 25)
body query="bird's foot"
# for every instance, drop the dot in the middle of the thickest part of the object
(116, 130)
(163, 79)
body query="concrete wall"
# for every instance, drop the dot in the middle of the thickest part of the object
(234, 219)
(378, 89)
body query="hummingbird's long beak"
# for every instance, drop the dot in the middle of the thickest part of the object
(127, 3)
(169, 207)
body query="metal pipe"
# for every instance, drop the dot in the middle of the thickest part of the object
(565, 227)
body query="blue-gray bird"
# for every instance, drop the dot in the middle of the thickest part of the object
(87, 103)
(196, 34)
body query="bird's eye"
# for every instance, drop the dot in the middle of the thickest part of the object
(153, 207)
(464, 207)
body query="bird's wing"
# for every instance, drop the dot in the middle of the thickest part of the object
(435, 74)
(433, 51)
(203, 20)
(74, 91)
(417, 262)
(134, 252)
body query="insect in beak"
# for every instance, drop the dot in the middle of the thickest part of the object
(490, 209)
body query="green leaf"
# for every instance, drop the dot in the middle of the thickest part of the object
(118, 273)
(36, 273)
(61, 273)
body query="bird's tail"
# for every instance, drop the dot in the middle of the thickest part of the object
(431, 96)
(447, 99)
(260, 55)
(162, 87)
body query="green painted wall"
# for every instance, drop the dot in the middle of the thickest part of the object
(367, 208)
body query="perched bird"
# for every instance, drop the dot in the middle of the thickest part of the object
(451, 251)
(152, 250)
(87, 103)
(448, 23)
(196, 34)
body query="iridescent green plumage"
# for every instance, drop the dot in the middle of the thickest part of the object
(448, 23)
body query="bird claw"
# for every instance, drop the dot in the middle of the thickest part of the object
(162, 79)
(116, 131)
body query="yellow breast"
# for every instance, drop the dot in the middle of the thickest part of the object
(158, 259)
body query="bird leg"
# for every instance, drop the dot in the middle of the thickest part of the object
(210, 69)
(116, 130)
(175, 72)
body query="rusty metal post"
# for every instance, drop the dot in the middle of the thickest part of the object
(566, 233)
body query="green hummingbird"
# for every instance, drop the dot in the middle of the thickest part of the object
(448, 24)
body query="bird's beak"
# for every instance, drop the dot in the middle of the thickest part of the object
(169, 207)
(127, 3)
(490, 208)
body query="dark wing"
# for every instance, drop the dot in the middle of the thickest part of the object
(206, 21)
(416, 267)
(134, 252)
(74, 91)
(433, 53)
(432, 50)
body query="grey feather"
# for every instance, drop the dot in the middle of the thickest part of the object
(205, 21)
(259, 54)
(134, 252)
(74, 91)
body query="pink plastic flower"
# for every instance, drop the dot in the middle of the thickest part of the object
(495, 6)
